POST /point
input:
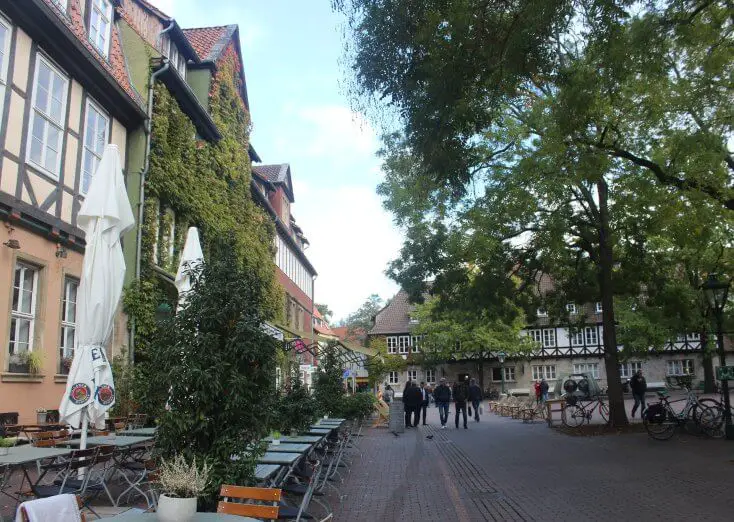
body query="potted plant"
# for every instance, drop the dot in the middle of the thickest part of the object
(276, 437)
(18, 363)
(6, 443)
(181, 484)
(41, 415)
(66, 365)
(35, 363)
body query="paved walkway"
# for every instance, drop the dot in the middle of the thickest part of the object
(503, 469)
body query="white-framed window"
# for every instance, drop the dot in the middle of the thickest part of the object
(509, 374)
(430, 376)
(694, 336)
(541, 312)
(392, 344)
(96, 125)
(61, 4)
(680, 338)
(403, 343)
(393, 378)
(415, 341)
(68, 319)
(592, 336)
(278, 377)
(544, 371)
(6, 32)
(598, 308)
(628, 369)
(576, 336)
(413, 320)
(536, 335)
(100, 25)
(48, 117)
(412, 375)
(571, 308)
(682, 367)
(23, 311)
(587, 368)
(549, 337)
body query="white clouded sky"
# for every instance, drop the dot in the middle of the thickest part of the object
(291, 51)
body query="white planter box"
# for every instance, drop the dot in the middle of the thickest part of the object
(176, 509)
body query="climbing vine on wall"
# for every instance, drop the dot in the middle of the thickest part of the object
(202, 184)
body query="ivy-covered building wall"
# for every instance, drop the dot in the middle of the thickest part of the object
(193, 182)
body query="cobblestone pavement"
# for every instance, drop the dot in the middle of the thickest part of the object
(504, 469)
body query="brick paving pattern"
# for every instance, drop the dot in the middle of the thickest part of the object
(504, 469)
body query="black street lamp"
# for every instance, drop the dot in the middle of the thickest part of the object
(716, 292)
(501, 357)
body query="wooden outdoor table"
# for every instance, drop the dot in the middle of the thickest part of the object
(21, 456)
(284, 447)
(298, 439)
(138, 432)
(118, 440)
(33, 428)
(199, 517)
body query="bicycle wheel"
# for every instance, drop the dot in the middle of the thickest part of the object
(573, 416)
(659, 423)
(711, 421)
(604, 411)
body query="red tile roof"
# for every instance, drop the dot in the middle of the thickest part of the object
(114, 64)
(208, 41)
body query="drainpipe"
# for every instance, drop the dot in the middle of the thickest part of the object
(143, 174)
(313, 307)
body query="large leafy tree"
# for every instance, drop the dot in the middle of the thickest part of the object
(210, 380)
(361, 320)
(552, 149)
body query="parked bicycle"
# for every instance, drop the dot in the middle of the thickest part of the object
(661, 419)
(579, 410)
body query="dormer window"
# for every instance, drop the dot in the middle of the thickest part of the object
(100, 25)
(177, 60)
(571, 309)
(542, 312)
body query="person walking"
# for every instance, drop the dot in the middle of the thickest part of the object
(442, 395)
(638, 384)
(536, 386)
(388, 394)
(415, 399)
(406, 405)
(475, 396)
(461, 394)
(424, 401)
(544, 390)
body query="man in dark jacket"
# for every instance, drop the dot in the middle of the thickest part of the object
(424, 400)
(475, 396)
(638, 384)
(413, 399)
(544, 390)
(442, 395)
(461, 394)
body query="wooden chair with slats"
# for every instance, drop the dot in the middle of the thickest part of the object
(267, 508)
(42, 439)
(119, 426)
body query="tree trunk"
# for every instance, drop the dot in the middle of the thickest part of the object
(708, 364)
(617, 413)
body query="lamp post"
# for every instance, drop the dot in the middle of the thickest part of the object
(501, 357)
(716, 292)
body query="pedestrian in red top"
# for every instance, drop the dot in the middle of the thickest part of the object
(537, 391)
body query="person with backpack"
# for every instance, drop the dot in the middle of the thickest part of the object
(442, 395)
(544, 390)
(388, 394)
(461, 394)
(638, 385)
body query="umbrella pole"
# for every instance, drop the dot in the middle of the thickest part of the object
(83, 441)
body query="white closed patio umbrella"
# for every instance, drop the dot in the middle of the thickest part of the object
(191, 258)
(105, 215)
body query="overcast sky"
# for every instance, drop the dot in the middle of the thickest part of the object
(301, 115)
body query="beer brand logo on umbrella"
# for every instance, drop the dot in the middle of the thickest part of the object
(105, 394)
(80, 393)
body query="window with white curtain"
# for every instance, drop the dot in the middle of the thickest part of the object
(5, 34)
(23, 310)
(100, 25)
(96, 124)
(48, 117)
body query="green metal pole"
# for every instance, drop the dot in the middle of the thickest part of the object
(502, 370)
